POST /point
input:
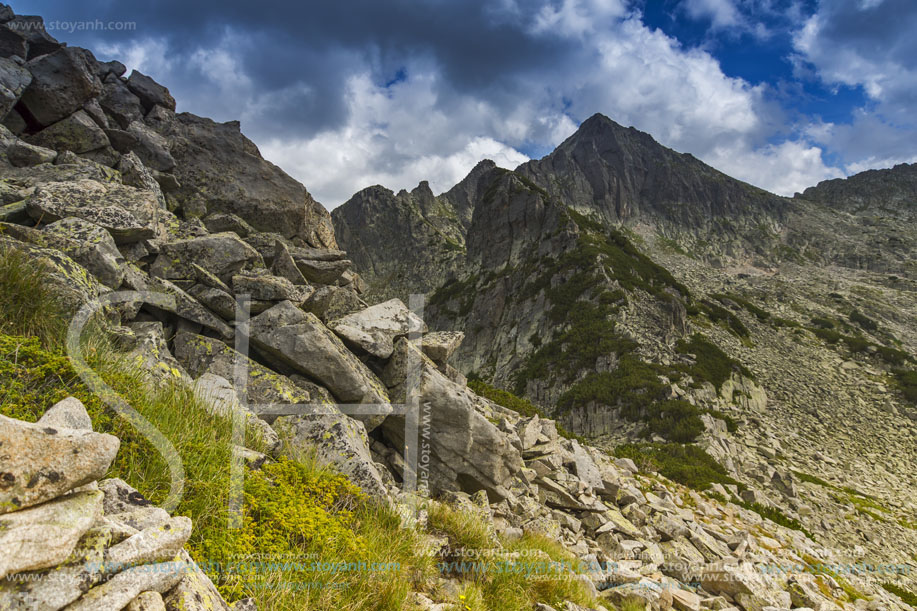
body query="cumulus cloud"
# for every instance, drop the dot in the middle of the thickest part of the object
(345, 97)
(871, 45)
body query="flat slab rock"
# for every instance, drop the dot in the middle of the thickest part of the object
(45, 536)
(298, 340)
(40, 462)
(375, 329)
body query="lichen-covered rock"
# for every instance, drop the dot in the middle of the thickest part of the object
(120, 103)
(269, 394)
(153, 544)
(323, 272)
(440, 345)
(71, 283)
(76, 132)
(151, 354)
(221, 254)
(332, 302)
(69, 413)
(91, 246)
(151, 147)
(375, 329)
(45, 535)
(120, 590)
(284, 266)
(195, 591)
(62, 82)
(147, 601)
(189, 309)
(23, 154)
(298, 340)
(267, 287)
(40, 462)
(336, 440)
(127, 213)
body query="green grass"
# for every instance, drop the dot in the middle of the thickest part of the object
(505, 574)
(688, 465)
(759, 313)
(777, 517)
(909, 598)
(711, 363)
(720, 315)
(26, 302)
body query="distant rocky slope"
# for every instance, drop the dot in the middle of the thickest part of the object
(636, 295)
(105, 188)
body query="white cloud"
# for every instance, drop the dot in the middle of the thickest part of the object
(721, 13)
(396, 137)
(784, 168)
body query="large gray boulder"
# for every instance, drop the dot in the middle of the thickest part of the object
(128, 214)
(220, 170)
(297, 340)
(91, 246)
(42, 462)
(76, 132)
(62, 82)
(149, 92)
(13, 81)
(119, 103)
(269, 394)
(221, 254)
(375, 329)
(150, 352)
(188, 308)
(30, 29)
(151, 147)
(466, 451)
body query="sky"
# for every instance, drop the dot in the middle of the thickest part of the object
(352, 93)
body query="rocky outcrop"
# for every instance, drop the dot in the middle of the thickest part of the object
(72, 541)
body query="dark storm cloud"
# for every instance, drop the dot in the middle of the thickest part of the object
(318, 44)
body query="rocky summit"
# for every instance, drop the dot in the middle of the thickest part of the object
(633, 382)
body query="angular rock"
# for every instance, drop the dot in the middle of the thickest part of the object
(67, 414)
(220, 398)
(151, 147)
(149, 91)
(76, 132)
(32, 30)
(14, 79)
(284, 266)
(440, 345)
(747, 585)
(375, 329)
(220, 222)
(337, 440)
(151, 355)
(119, 103)
(46, 535)
(222, 254)
(269, 393)
(71, 284)
(331, 302)
(221, 302)
(62, 82)
(22, 154)
(91, 246)
(154, 544)
(40, 463)
(466, 451)
(195, 591)
(128, 214)
(322, 272)
(120, 590)
(135, 174)
(299, 341)
(147, 601)
(189, 309)
(267, 287)
(121, 497)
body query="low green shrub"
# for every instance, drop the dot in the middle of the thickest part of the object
(711, 363)
(688, 465)
(906, 379)
(864, 321)
(909, 598)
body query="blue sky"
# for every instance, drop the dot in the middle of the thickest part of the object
(346, 94)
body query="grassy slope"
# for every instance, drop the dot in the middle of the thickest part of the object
(295, 514)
